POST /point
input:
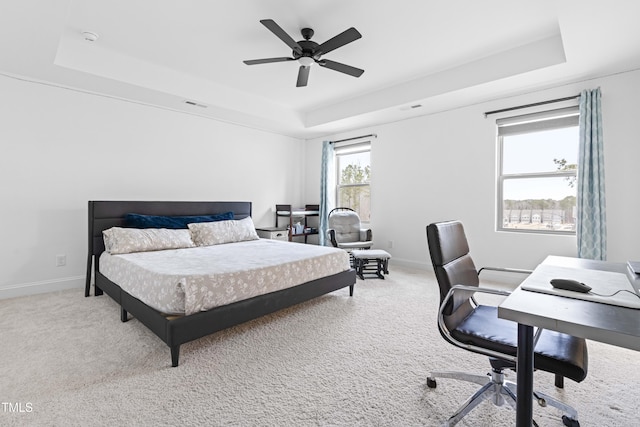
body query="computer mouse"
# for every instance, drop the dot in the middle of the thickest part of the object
(570, 285)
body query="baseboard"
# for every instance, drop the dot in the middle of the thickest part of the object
(44, 286)
(412, 264)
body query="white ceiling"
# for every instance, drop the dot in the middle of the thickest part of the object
(434, 53)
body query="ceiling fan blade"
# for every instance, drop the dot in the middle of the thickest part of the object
(343, 68)
(267, 60)
(340, 40)
(303, 76)
(281, 34)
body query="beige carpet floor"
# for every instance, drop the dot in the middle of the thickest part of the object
(67, 360)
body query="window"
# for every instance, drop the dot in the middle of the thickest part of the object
(353, 167)
(538, 170)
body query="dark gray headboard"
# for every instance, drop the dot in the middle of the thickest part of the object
(107, 214)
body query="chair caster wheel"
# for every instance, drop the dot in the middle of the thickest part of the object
(431, 383)
(569, 422)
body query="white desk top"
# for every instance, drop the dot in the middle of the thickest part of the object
(605, 285)
(606, 323)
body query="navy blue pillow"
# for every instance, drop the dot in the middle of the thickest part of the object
(173, 222)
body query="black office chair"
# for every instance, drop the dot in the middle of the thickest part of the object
(477, 328)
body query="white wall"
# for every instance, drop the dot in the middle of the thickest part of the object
(61, 148)
(442, 166)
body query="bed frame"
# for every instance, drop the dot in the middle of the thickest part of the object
(177, 331)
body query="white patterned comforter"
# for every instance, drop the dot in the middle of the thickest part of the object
(189, 280)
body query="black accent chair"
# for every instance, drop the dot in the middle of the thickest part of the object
(477, 328)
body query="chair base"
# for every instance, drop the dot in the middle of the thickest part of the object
(495, 388)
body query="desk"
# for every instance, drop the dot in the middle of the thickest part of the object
(609, 324)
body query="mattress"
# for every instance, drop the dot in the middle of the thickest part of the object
(190, 280)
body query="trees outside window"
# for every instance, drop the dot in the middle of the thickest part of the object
(354, 179)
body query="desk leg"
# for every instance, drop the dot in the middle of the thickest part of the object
(524, 403)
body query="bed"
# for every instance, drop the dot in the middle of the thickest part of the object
(175, 327)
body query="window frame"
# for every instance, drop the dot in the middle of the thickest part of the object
(525, 124)
(346, 149)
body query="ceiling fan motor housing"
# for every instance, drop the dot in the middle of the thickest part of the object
(308, 49)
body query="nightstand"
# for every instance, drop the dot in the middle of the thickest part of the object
(274, 233)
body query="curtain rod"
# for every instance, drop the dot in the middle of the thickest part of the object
(535, 104)
(355, 137)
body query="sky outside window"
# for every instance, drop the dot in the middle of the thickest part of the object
(534, 152)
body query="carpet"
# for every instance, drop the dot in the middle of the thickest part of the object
(334, 361)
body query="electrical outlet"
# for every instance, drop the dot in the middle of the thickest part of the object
(61, 260)
(390, 244)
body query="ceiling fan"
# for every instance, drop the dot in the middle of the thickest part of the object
(306, 52)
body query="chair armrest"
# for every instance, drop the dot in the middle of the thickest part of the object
(366, 235)
(477, 289)
(447, 335)
(506, 270)
(332, 237)
(470, 290)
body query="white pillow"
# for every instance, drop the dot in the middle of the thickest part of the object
(215, 233)
(118, 240)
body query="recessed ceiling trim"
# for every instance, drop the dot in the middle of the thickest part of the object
(530, 57)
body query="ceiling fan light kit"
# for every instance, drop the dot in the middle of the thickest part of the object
(308, 52)
(305, 60)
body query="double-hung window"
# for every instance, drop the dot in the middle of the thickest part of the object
(538, 162)
(353, 167)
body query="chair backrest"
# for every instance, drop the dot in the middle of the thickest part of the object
(346, 224)
(451, 261)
